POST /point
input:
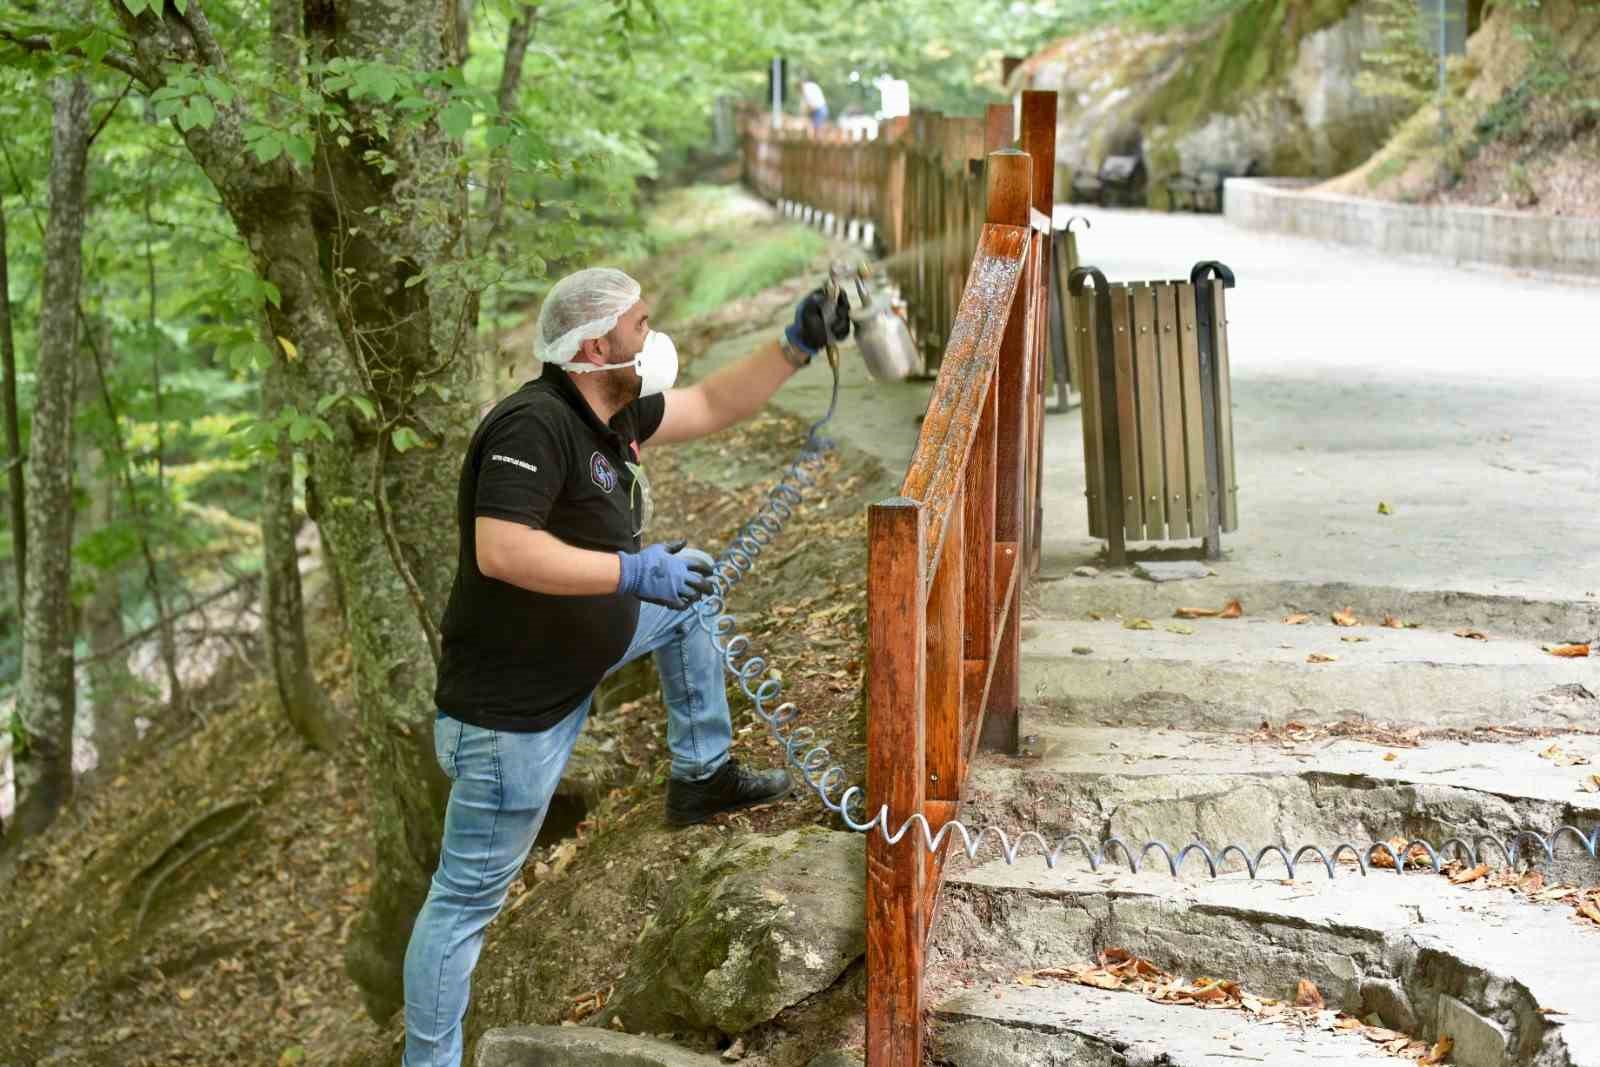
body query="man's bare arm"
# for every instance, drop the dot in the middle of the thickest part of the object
(541, 562)
(726, 397)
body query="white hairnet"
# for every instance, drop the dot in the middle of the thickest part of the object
(581, 306)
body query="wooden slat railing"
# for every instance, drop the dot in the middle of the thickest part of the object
(947, 562)
(920, 185)
(969, 240)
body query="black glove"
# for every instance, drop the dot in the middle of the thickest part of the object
(807, 332)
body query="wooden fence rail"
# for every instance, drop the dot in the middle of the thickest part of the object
(969, 241)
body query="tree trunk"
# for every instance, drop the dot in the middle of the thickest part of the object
(388, 520)
(302, 699)
(110, 681)
(46, 697)
(8, 355)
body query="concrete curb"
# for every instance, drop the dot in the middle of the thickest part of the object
(1548, 243)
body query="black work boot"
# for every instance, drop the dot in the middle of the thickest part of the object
(730, 788)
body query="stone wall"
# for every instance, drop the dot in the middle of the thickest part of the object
(1559, 244)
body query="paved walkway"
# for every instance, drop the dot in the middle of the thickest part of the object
(1467, 400)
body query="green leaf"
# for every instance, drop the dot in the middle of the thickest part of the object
(301, 427)
(137, 7)
(197, 112)
(96, 45)
(267, 148)
(405, 438)
(457, 118)
(327, 402)
(182, 6)
(365, 407)
(299, 149)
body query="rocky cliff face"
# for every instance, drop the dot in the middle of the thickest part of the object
(1272, 83)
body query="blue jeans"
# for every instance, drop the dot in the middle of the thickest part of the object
(501, 784)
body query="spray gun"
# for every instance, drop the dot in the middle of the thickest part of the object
(881, 334)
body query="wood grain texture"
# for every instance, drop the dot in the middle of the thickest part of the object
(965, 378)
(999, 127)
(1039, 141)
(978, 503)
(1167, 357)
(1194, 453)
(1127, 412)
(896, 902)
(1230, 478)
(946, 648)
(1147, 396)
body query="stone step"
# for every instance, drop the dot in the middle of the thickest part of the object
(1180, 786)
(1058, 1025)
(581, 1046)
(1512, 982)
(1117, 594)
(1233, 673)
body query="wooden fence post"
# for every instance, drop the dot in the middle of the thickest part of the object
(1039, 141)
(896, 779)
(1010, 204)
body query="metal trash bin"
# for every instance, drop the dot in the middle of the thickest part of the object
(1157, 408)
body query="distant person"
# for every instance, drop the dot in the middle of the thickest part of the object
(816, 103)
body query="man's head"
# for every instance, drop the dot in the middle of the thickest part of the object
(596, 318)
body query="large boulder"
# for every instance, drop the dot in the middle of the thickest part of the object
(1271, 83)
(748, 928)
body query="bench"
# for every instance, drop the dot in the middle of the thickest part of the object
(1202, 191)
(1120, 181)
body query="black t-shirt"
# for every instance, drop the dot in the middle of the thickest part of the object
(519, 660)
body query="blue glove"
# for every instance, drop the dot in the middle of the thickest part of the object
(657, 573)
(807, 332)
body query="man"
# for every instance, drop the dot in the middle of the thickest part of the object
(816, 103)
(554, 590)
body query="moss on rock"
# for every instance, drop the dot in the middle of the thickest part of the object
(748, 928)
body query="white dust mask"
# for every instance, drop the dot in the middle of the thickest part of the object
(657, 362)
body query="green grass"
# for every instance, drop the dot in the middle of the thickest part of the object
(733, 265)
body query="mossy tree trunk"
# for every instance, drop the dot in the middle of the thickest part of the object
(46, 696)
(355, 327)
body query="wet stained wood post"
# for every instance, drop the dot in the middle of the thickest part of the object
(947, 557)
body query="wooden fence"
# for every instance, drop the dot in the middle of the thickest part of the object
(969, 241)
(919, 186)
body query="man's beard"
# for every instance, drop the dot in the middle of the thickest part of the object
(624, 384)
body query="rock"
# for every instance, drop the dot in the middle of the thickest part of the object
(1081, 650)
(1173, 571)
(581, 1046)
(837, 1058)
(1389, 1001)
(1086, 572)
(748, 929)
(1479, 1042)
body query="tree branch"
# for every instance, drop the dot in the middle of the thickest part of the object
(115, 60)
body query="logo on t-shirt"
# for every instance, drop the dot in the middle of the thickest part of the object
(604, 475)
(529, 467)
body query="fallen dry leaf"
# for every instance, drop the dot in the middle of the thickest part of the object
(1384, 508)
(1591, 784)
(1299, 618)
(1319, 657)
(1563, 759)
(1137, 624)
(1471, 635)
(1391, 623)
(1440, 1050)
(1570, 651)
(1354, 639)
(1390, 757)
(1179, 628)
(186, 994)
(1590, 910)
(1470, 875)
(1307, 995)
(1347, 617)
(1231, 610)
